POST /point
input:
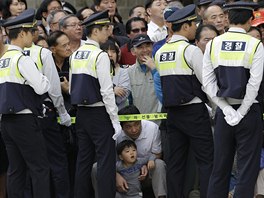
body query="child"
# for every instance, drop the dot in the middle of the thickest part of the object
(130, 168)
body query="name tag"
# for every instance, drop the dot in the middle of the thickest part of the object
(233, 46)
(167, 56)
(4, 63)
(82, 54)
(27, 52)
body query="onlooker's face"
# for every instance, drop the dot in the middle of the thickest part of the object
(215, 16)
(137, 27)
(140, 12)
(132, 129)
(62, 49)
(41, 32)
(109, 5)
(54, 5)
(112, 55)
(73, 28)
(261, 27)
(156, 10)
(129, 155)
(17, 7)
(142, 51)
(42, 43)
(205, 36)
(255, 33)
(55, 23)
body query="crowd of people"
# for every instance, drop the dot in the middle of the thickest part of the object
(67, 75)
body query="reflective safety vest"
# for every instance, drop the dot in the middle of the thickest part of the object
(15, 95)
(232, 55)
(35, 53)
(179, 83)
(85, 87)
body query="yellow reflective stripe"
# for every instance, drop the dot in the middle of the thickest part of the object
(134, 117)
(5, 72)
(137, 117)
(232, 56)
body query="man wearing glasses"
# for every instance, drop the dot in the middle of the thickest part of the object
(134, 27)
(72, 26)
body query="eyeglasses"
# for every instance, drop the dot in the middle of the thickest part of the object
(75, 25)
(137, 30)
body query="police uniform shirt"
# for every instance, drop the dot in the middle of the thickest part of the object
(49, 70)
(194, 57)
(32, 76)
(106, 84)
(256, 73)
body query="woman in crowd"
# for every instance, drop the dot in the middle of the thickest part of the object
(14, 8)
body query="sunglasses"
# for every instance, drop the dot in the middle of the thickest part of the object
(137, 30)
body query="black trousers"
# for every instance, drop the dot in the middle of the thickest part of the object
(26, 151)
(57, 156)
(94, 132)
(188, 126)
(246, 139)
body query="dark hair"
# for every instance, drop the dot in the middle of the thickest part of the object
(44, 5)
(13, 33)
(148, 3)
(79, 13)
(53, 37)
(97, 2)
(6, 6)
(128, 110)
(177, 27)
(201, 28)
(125, 144)
(240, 16)
(134, 19)
(257, 29)
(110, 44)
(40, 38)
(131, 11)
(44, 29)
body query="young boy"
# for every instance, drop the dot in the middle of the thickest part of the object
(130, 167)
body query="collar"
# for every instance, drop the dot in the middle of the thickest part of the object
(90, 41)
(155, 27)
(177, 37)
(14, 47)
(237, 29)
(142, 67)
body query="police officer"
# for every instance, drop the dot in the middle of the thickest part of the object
(54, 104)
(188, 125)
(21, 85)
(232, 74)
(91, 90)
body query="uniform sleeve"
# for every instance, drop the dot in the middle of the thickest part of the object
(50, 71)
(194, 57)
(209, 79)
(106, 86)
(33, 77)
(256, 74)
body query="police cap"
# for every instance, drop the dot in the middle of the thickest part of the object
(182, 15)
(99, 18)
(203, 2)
(140, 39)
(240, 5)
(25, 20)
